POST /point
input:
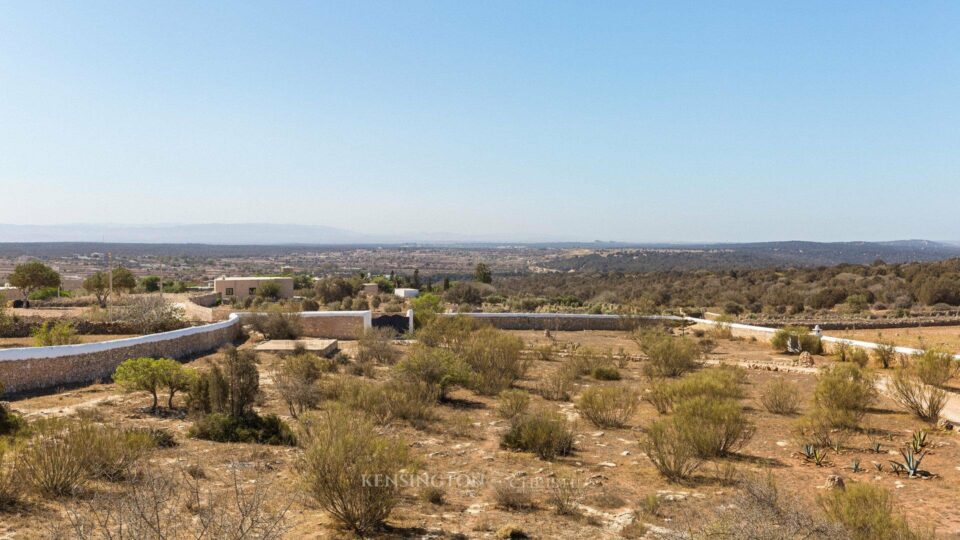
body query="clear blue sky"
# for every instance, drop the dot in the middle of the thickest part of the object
(638, 121)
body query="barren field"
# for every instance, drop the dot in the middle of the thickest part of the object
(623, 494)
(947, 337)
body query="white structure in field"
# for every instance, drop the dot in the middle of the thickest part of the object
(406, 293)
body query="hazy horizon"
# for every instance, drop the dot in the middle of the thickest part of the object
(535, 121)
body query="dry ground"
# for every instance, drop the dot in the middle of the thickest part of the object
(947, 337)
(464, 445)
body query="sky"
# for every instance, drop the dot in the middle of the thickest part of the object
(622, 121)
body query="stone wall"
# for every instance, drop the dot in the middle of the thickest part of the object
(329, 324)
(36, 368)
(560, 321)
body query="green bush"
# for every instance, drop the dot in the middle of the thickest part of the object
(513, 403)
(719, 383)
(542, 432)
(153, 374)
(54, 333)
(557, 384)
(668, 448)
(668, 356)
(845, 392)
(384, 402)
(351, 470)
(605, 373)
(10, 423)
(935, 367)
(296, 381)
(780, 396)
(53, 461)
(885, 353)
(713, 427)
(439, 368)
(608, 407)
(923, 400)
(867, 512)
(110, 453)
(797, 337)
(848, 353)
(249, 428)
(375, 346)
(495, 360)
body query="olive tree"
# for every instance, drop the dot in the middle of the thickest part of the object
(33, 275)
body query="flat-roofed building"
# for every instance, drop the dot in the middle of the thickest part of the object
(244, 287)
(406, 293)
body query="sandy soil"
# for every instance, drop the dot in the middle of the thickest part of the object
(464, 445)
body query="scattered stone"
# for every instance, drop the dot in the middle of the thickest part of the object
(625, 453)
(607, 464)
(782, 443)
(946, 425)
(597, 434)
(834, 481)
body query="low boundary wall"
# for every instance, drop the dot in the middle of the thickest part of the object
(328, 324)
(26, 369)
(564, 321)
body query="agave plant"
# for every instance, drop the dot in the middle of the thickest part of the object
(855, 466)
(896, 467)
(808, 451)
(918, 441)
(875, 447)
(819, 456)
(911, 462)
(879, 466)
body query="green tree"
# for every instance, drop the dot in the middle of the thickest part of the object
(99, 286)
(425, 308)
(150, 283)
(415, 283)
(482, 273)
(139, 375)
(269, 290)
(33, 275)
(123, 279)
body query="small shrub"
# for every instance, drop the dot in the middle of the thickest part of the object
(249, 428)
(923, 400)
(495, 359)
(513, 403)
(544, 433)
(609, 406)
(10, 423)
(110, 453)
(557, 384)
(935, 367)
(605, 373)
(375, 346)
(721, 329)
(436, 367)
(781, 397)
(845, 392)
(53, 459)
(885, 354)
(350, 469)
(55, 333)
(565, 492)
(796, 339)
(433, 495)
(10, 489)
(512, 497)
(668, 356)
(670, 451)
(713, 427)
(296, 382)
(719, 383)
(866, 512)
(848, 353)
(278, 324)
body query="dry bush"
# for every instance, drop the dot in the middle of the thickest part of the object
(449, 332)
(513, 403)
(780, 396)
(433, 495)
(165, 506)
(351, 470)
(110, 453)
(866, 512)
(668, 356)
(375, 345)
(608, 407)
(923, 400)
(495, 359)
(713, 427)
(565, 492)
(821, 428)
(935, 367)
(545, 433)
(512, 497)
(52, 461)
(796, 339)
(722, 329)
(10, 489)
(719, 383)
(385, 402)
(278, 324)
(296, 381)
(885, 353)
(845, 352)
(845, 392)
(436, 367)
(666, 445)
(760, 510)
(556, 386)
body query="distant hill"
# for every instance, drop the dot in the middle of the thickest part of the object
(752, 255)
